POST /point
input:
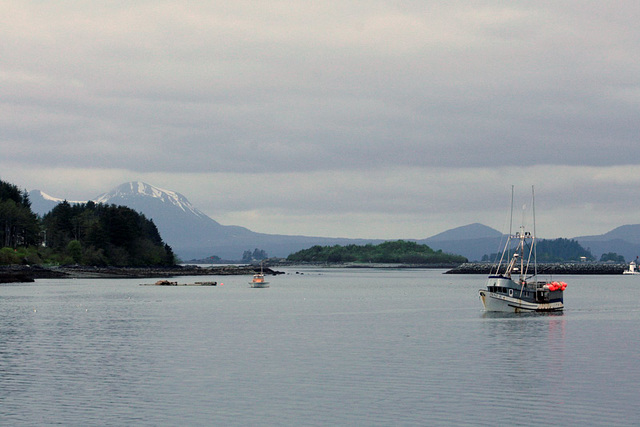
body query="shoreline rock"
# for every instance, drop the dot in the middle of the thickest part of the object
(25, 274)
(577, 268)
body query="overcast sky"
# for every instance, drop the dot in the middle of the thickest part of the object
(374, 119)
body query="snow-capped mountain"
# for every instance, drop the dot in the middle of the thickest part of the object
(132, 190)
(190, 232)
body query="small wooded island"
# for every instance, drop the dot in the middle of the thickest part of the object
(396, 252)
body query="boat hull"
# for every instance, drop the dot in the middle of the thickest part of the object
(259, 284)
(503, 303)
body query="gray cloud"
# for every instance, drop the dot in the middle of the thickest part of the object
(354, 109)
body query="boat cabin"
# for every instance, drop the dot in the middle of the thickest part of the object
(533, 292)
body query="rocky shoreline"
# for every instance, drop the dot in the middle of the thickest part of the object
(21, 274)
(578, 268)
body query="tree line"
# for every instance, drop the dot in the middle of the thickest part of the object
(399, 251)
(554, 250)
(19, 225)
(86, 233)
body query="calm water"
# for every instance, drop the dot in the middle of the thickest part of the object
(327, 347)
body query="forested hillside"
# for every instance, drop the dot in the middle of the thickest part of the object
(555, 250)
(388, 252)
(558, 250)
(97, 234)
(87, 234)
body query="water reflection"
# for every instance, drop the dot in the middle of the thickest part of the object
(503, 315)
(526, 336)
(526, 354)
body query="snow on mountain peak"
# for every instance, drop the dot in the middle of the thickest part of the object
(137, 188)
(49, 198)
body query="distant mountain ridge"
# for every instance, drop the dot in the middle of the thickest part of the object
(623, 240)
(466, 232)
(629, 233)
(191, 233)
(194, 235)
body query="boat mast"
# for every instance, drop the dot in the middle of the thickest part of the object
(523, 273)
(510, 226)
(532, 248)
(511, 218)
(505, 250)
(533, 238)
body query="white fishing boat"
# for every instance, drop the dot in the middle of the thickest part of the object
(633, 268)
(513, 285)
(258, 280)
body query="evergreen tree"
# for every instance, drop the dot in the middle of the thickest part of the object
(106, 235)
(18, 224)
(612, 256)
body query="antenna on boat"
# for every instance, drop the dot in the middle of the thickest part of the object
(511, 218)
(506, 250)
(510, 225)
(533, 240)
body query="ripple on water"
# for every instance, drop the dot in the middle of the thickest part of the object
(381, 348)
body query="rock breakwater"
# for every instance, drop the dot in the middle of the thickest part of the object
(547, 268)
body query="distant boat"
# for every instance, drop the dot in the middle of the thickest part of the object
(258, 280)
(633, 268)
(512, 285)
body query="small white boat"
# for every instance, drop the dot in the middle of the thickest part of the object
(513, 287)
(258, 280)
(633, 268)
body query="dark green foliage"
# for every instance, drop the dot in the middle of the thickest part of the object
(97, 234)
(612, 256)
(87, 234)
(388, 252)
(256, 255)
(559, 250)
(18, 224)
